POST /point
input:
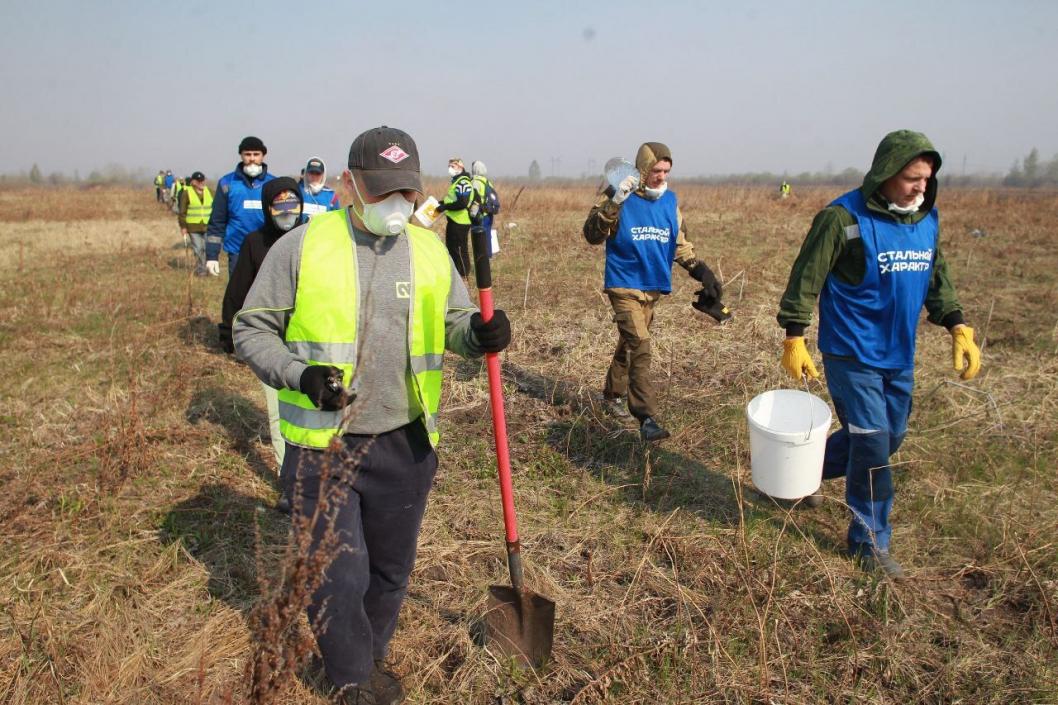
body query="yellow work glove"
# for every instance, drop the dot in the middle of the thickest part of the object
(963, 346)
(796, 360)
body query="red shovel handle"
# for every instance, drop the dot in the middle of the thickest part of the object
(483, 275)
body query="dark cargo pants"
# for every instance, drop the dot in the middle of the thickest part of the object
(379, 525)
(629, 371)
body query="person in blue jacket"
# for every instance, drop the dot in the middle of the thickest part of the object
(237, 205)
(316, 194)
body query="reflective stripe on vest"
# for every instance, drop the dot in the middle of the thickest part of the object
(322, 329)
(199, 208)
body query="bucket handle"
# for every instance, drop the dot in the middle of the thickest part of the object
(811, 409)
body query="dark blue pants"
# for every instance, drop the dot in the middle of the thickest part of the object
(232, 260)
(379, 525)
(873, 406)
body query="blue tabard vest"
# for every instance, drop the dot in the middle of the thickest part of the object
(640, 254)
(316, 203)
(245, 214)
(876, 321)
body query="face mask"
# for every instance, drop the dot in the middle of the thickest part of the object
(907, 210)
(454, 171)
(252, 170)
(286, 221)
(655, 193)
(387, 217)
(316, 187)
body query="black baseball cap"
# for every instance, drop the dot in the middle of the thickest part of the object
(387, 159)
(314, 166)
(198, 176)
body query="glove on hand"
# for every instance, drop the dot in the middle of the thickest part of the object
(493, 336)
(322, 384)
(710, 284)
(227, 344)
(796, 360)
(440, 208)
(187, 240)
(213, 267)
(625, 188)
(963, 345)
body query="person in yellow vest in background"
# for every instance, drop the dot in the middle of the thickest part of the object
(159, 181)
(174, 195)
(196, 203)
(487, 199)
(454, 206)
(784, 189)
(349, 318)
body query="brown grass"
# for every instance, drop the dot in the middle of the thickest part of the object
(141, 559)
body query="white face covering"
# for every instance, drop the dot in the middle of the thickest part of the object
(907, 210)
(655, 193)
(314, 188)
(454, 171)
(252, 170)
(286, 221)
(387, 217)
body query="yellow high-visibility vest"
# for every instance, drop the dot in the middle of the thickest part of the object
(322, 327)
(199, 208)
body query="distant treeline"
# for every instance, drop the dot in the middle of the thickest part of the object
(1032, 172)
(110, 175)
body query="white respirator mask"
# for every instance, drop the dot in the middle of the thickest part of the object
(252, 170)
(454, 171)
(315, 188)
(908, 210)
(286, 221)
(386, 218)
(655, 193)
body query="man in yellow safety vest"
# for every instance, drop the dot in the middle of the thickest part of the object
(196, 203)
(349, 318)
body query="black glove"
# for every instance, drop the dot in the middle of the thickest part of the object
(713, 307)
(440, 208)
(710, 283)
(227, 344)
(322, 384)
(493, 336)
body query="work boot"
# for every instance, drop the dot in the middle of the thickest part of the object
(356, 695)
(880, 561)
(386, 686)
(649, 430)
(283, 504)
(813, 501)
(615, 406)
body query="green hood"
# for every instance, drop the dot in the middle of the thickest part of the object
(894, 152)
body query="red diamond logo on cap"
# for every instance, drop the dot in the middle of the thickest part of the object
(395, 154)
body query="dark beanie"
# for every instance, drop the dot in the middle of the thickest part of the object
(252, 144)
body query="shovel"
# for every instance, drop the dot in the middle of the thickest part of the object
(519, 623)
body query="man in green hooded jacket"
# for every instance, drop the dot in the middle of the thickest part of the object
(873, 260)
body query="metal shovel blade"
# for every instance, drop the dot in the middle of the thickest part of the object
(521, 624)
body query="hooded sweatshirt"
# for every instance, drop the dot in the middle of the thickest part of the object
(316, 203)
(254, 248)
(827, 252)
(602, 221)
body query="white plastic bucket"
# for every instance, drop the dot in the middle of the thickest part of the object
(787, 438)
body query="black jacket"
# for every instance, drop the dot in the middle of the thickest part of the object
(252, 254)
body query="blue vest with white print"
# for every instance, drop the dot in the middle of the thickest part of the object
(245, 214)
(640, 254)
(315, 203)
(875, 322)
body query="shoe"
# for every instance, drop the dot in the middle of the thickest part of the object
(615, 406)
(880, 561)
(649, 430)
(283, 504)
(812, 501)
(356, 695)
(386, 686)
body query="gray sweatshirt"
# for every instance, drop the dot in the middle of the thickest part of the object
(384, 401)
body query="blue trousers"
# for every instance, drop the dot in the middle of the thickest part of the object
(873, 406)
(232, 261)
(379, 522)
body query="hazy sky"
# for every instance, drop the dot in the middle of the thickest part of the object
(731, 87)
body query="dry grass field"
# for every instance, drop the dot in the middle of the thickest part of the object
(137, 532)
